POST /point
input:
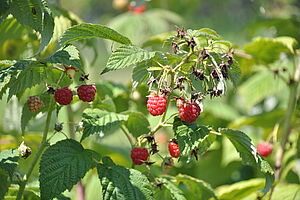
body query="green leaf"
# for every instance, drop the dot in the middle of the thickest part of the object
(4, 183)
(266, 50)
(239, 190)
(9, 160)
(176, 193)
(10, 70)
(126, 56)
(285, 191)
(192, 137)
(87, 31)
(247, 151)
(199, 188)
(32, 75)
(137, 124)
(234, 73)
(40, 19)
(259, 87)
(68, 55)
(140, 73)
(63, 165)
(206, 33)
(97, 121)
(121, 183)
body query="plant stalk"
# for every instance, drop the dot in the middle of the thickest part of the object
(38, 153)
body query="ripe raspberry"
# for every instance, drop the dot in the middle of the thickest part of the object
(34, 104)
(264, 149)
(86, 93)
(189, 112)
(63, 96)
(174, 149)
(156, 104)
(139, 155)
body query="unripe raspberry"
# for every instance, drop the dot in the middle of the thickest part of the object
(34, 104)
(86, 93)
(174, 149)
(63, 96)
(189, 112)
(156, 104)
(264, 149)
(139, 155)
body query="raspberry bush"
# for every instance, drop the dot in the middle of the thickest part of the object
(185, 111)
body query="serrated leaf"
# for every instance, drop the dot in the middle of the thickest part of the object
(9, 72)
(140, 74)
(63, 165)
(240, 189)
(9, 160)
(137, 124)
(176, 193)
(249, 155)
(34, 13)
(192, 137)
(199, 188)
(87, 31)
(97, 121)
(68, 55)
(32, 75)
(121, 183)
(126, 56)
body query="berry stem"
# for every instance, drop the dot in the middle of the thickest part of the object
(161, 122)
(286, 127)
(128, 135)
(38, 153)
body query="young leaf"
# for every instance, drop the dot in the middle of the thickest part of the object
(87, 31)
(63, 165)
(247, 151)
(9, 160)
(126, 56)
(68, 55)
(285, 191)
(121, 183)
(137, 124)
(192, 137)
(97, 121)
(206, 33)
(199, 188)
(176, 193)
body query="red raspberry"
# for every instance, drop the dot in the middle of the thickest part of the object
(139, 155)
(86, 93)
(264, 149)
(63, 96)
(174, 149)
(189, 112)
(34, 104)
(156, 104)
